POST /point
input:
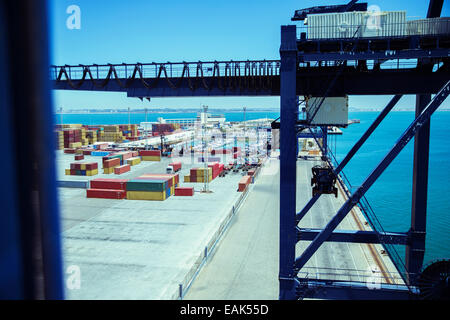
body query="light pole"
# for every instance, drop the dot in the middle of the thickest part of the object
(146, 131)
(245, 138)
(205, 166)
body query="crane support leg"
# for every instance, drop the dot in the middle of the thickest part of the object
(288, 157)
(416, 251)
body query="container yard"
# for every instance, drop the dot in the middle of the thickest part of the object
(145, 220)
(216, 206)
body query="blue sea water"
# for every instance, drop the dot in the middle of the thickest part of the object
(390, 196)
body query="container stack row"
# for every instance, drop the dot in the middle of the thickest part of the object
(146, 187)
(83, 169)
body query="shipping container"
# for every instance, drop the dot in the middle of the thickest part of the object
(184, 191)
(430, 26)
(114, 184)
(356, 24)
(145, 195)
(106, 193)
(151, 158)
(122, 169)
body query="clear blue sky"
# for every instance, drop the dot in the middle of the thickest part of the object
(116, 31)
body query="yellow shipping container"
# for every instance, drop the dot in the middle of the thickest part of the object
(92, 172)
(201, 172)
(67, 172)
(187, 178)
(202, 179)
(133, 161)
(146, 195)
(74, 144)
(151, 158)
(108, 170)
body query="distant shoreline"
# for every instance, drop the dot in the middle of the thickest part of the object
(231, 111)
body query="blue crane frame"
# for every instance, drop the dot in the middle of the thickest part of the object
(292, 287)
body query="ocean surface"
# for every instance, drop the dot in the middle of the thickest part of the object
(390, 196)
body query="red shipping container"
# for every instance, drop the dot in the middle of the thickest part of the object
(175, 165)
(152, 153)
(245, 181)
(110, 163)
(110, 184)
(127, 155)
(79, 157)
(193, 172)
(122, 169)
(87, 152)
(184, 191)
(91, 166)
(69, 150)
(106, 193)
(135, 154)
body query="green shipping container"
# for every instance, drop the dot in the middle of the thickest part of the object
(147, 185)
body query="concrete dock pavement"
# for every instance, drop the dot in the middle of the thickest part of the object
(136, 249)
(245, 263)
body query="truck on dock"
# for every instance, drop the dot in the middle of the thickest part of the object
(173, 167)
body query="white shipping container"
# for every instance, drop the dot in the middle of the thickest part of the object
(384, 24)
(431, 26)
(333, 111)
(356, 24)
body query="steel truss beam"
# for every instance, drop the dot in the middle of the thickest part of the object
(330, 289)
(355, 236)
(310, 81)
(415, 126)
(394, 54)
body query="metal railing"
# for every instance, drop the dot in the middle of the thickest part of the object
(169, 69)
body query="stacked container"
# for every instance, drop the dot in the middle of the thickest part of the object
(59, 140)
(107, 189)
(152, 187)
(150, 155)
(109, 164)
(83, 169)
(215, 168)
(200, 175)
(164, 128)
(112, 133)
